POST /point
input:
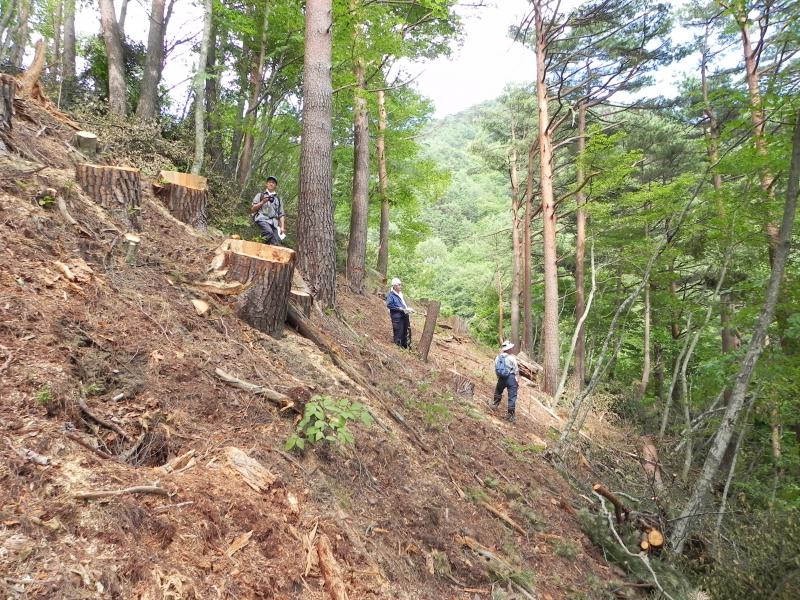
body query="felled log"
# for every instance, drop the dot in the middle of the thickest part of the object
(268, 271)
(8, 90)
(427, 332)
(185, 195)
(300, 294)
(86, 142)
(329, 568)
(528, 368)
(255, 475)
(117, 189)
(651, 537)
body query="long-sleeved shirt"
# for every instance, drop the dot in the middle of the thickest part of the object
(511, 362)
(272, 210)
(395, 301)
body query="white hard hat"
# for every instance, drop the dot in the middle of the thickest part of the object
(507, 345)
(396, 281)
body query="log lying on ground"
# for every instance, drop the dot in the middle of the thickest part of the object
(117, 189)
(329, 568)
(300, 294)
(8, 90)
(267, 271)
(185, 195)
(529, 369)
(651, 538)
(282, 401)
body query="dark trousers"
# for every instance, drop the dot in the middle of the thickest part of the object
(269, 233)
(509, 382)
(401, 329)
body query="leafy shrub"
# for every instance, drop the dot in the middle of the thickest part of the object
(325, 420)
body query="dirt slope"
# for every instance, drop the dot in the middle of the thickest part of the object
(128, 341)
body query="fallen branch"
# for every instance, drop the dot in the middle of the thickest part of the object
(139, 489)
(75, 438)
(107, 424)
(253, 472)
(620, 510)
(281, 400)
(330, 569)
(504, 517)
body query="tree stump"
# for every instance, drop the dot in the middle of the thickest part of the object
(300, 294)
(267, 272)
(427, 333)
(117, 189)
(86, 142)
(8, 90)
(462, 385)
(186, 197)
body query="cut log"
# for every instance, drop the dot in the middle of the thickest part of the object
(331, 574)
(528, 368)
(644, 545)
(186, 197)
(86, 142)
(268, 271)
(8, 90)
(117, 189)
(430, 326)
(655, 538)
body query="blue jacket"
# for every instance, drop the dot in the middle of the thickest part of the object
(393, 302)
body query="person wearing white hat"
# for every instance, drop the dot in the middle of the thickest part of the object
(507, 370)
(399, 311)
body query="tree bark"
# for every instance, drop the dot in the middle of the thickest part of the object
(359, 208)
(383, 186)
(213, 134)
(430, 326)
(516, 236)
(754, 349)
(117, 88)
(148, 97)
(186, 197)
(123, 13)
(580, 251)
(315, 239)
(117, 189)
(19, 37)
(6, 32)
(267, 271)
(550, 334)
(501, 326)
(68, 68)
(57, 57)
(8, 90)
(527, 315)
(200, 91)
(646, 342)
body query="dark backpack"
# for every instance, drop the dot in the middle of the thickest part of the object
(501, 366)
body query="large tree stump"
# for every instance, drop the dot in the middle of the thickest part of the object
(186, 197)
(267, 272)
(430, 326)
(8, 90)
(117, 189)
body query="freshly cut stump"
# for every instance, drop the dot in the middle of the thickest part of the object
(86, 142)
(117, 189)
(267, 273)
(8, 90)
(300, 294)
(186, 197)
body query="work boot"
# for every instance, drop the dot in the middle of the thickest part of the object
(495, 404)
(510, 417)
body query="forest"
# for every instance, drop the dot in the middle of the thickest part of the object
(640, 247)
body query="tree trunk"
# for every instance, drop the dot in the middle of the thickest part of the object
(501, 326)
(646, 342)
(755, 347)
(516, 236)
(6, 31)
(580, 252)
(148, 97)
(117, 88)
(123, 13)
(19, 38)
(430, 326)
(550, 339)
(527, 315)
(186, 196)
(383, 185)
(86, 142)
(68, 68)
(117, 189)
(300, 295)
(200, 91)
(315, 231)
(213, 127)
(57, 57)
(256, 81)
(267, 271)
(8, 90)
(359, 208)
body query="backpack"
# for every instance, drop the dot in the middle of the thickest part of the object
(501, 366)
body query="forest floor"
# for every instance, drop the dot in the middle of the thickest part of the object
(455, 503)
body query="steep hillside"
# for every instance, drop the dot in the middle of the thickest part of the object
(108, 377)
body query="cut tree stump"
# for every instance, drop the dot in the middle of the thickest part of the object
(117, 189)
(8, 90)
(86, 142)
(430, 326)
(267, 271)
(300, 294)
(186, 197)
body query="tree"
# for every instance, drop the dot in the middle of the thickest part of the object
(148, 93)
(117, 87)
(200, 90)
(316, 242)
(383, 185)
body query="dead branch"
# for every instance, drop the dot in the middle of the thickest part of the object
(280, 400)
(107, 424)
(253, 472)
(75, 438)
(620, 510)
(504, 517)
(330, 569)
(139, 489)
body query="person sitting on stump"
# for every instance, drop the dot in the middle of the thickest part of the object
(399, 311)
(267, 213)
(507, 370)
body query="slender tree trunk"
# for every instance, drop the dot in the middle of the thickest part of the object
(117, 88)
(501, 326)
(57, 59)
(315, 240)
(200, 91)
(359, 208)
(527, 315)
(68, 67)
(516, 236)
(646, 342)
(123, 13)
(383, 184)
(236, 138)
(580, 252)
(148, 97)
(19, 38)
(550, 339)
(754, 349)
(213, 133)
(256, 81)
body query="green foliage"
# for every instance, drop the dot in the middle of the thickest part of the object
(326, 420)
(565, 549)
(44, 396)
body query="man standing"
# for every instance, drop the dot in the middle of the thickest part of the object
(507, 370)
(399, 311)
(267, 213)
